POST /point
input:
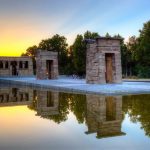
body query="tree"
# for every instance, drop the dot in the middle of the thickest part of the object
(107, 35)
(78, 106)
(128, 54)
(131, 50)
(90, 35)
(137, 107)
(31, 51)
(79, 52)
(79, 55)
(124, 59)
(143, 51)
(69, 69)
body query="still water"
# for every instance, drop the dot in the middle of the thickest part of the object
(38, 119)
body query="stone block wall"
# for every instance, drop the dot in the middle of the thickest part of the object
(6, 66)
(96, 60)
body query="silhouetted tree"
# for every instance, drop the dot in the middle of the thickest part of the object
(143, 51)
(31, 51)
(79, 52)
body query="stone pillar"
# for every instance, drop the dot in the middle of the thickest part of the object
(118, 68)
(119, 114)
(23, 64)
(30, 67)
(4, 64)
(10, 70)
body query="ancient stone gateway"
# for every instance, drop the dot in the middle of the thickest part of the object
(46, 65)
(103, 61)
(16, 66)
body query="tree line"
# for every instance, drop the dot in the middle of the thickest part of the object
(135, 54)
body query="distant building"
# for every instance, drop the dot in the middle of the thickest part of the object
(16, 66)
(46, 65)
(103, 61)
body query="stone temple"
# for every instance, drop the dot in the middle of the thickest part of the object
(103, 61)
(46, 65)
(16, 66)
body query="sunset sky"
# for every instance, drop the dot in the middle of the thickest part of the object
(24, 23)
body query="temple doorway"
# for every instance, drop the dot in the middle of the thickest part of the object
(14, 68)
(49, 64)
(109, 67)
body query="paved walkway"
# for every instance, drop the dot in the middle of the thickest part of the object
(80, 86)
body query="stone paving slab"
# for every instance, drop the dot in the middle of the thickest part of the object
(80, 86)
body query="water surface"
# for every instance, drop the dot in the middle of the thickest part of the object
(38, 119)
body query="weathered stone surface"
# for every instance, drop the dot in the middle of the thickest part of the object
(96, 60)
(42, 69)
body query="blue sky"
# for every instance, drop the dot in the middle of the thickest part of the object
(26, 22)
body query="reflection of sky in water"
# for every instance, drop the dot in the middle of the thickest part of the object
(20, 128)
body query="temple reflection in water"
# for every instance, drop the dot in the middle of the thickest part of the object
(47, 103)
(15, 96)
(102, 114)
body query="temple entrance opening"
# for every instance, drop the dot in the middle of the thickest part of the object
(49, 64)
(109, 67)
(14, 68)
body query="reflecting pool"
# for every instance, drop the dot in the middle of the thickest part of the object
(39, 119)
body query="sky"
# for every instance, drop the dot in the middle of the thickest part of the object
(24, 23)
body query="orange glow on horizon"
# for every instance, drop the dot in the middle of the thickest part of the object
(12, 49)
(15, 39)
(15, 47)
(11, 110)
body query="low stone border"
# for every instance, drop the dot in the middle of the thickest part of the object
(72, 90)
